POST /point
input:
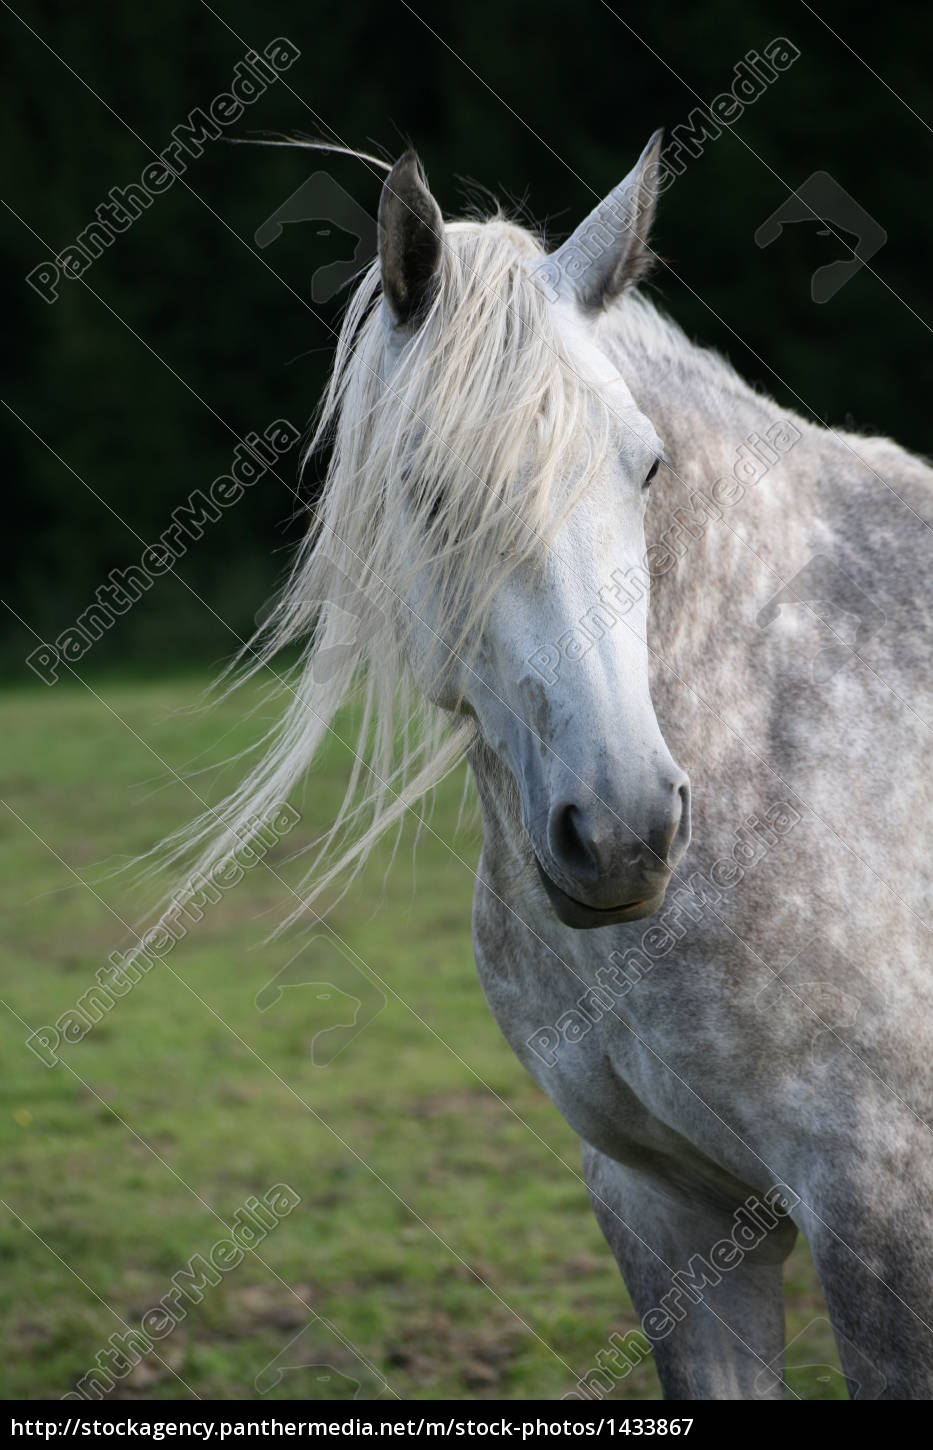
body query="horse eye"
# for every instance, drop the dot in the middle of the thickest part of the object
(651, 472)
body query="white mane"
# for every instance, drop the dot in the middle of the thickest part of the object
(447, 472)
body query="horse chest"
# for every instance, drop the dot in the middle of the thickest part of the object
(587, 1065)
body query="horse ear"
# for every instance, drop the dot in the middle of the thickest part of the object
(609, 251)
(411, 231)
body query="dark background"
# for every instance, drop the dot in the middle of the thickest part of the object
(242, 340)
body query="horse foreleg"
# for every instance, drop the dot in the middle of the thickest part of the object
(875, 1264)
(715, 1332)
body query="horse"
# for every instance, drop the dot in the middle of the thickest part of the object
(677, 633)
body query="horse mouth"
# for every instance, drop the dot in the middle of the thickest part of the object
(582, 917)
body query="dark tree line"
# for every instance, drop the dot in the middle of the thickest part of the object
(193, 339)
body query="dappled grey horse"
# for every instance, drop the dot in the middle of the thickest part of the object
(699, 909)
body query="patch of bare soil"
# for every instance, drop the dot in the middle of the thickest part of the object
(437, 1348)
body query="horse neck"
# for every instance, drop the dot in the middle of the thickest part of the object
(738, 475)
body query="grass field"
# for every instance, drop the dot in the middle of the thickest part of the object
(443, 1243)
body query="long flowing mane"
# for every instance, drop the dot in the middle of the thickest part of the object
(445, 472)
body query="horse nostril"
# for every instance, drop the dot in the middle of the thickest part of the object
(570, 842)
(603, 852)
(679, 836)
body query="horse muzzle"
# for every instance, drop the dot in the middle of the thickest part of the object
(601, 870)
(584, 918)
